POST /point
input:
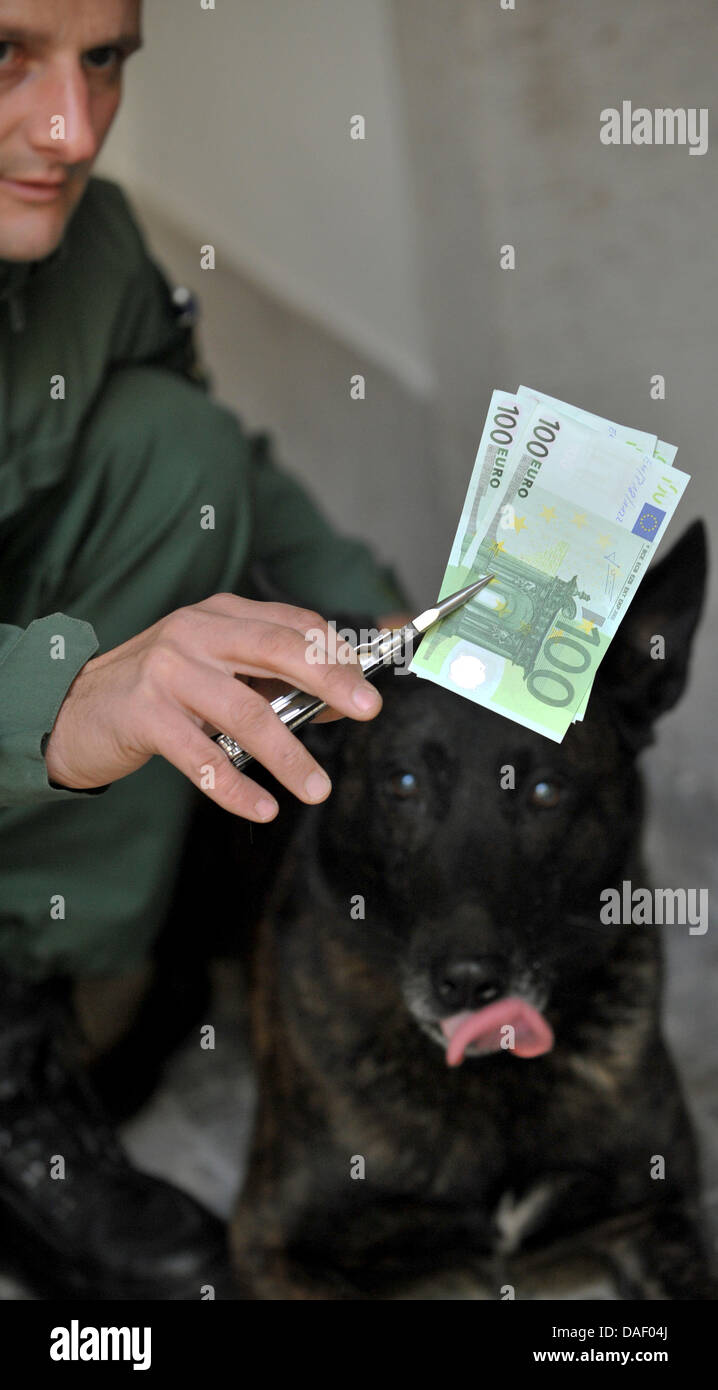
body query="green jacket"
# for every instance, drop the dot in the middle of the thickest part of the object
(99, 302)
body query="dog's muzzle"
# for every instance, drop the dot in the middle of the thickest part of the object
(475, 1006)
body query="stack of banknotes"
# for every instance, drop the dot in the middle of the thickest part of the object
(565, 509)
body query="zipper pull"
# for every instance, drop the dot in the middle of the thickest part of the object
(17, 313)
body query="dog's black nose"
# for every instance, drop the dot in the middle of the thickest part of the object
(469, 984)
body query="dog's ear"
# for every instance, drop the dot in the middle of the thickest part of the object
(646, 667)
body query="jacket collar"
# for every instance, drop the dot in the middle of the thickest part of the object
(17, 276)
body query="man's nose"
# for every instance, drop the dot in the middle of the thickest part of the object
(469, 982)
(64, 94)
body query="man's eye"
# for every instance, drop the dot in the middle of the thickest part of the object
(546, 794)
(102, 59)
(7, 53)
(404, 784)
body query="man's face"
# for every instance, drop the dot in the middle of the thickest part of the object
(60, 86)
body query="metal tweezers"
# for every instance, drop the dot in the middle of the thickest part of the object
(297, 706)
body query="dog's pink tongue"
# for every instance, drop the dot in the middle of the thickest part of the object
(532, 1034)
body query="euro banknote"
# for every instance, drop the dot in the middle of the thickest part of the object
(639, 439)
(566, 510)
(493, 455)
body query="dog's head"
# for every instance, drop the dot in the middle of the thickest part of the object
(480, 849)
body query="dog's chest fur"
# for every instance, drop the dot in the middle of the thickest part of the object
(515, 1218)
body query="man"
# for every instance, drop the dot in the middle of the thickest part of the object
(112, 457)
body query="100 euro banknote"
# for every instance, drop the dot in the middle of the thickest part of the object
(573, 527)
(505, 422)
(638, 439)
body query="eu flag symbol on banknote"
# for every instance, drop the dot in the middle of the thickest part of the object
(649, 521)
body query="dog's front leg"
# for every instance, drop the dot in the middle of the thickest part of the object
(265, 1266)
(394, 1249)
(661, 1257)
(273, 1275)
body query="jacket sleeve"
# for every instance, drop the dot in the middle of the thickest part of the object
(306, 560)
(37, 667)
(155, 330)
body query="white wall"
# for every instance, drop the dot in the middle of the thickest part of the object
(237, 122)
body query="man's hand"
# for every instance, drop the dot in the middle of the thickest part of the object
(165, 690)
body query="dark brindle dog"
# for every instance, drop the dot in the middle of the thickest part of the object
(374, 1162)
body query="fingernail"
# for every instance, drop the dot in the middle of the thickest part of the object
(265, 807)
(317, 785)
(365, 697)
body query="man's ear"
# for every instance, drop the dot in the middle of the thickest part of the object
(645, 670)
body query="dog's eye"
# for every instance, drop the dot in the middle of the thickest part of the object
(404, 784)
(545, 794)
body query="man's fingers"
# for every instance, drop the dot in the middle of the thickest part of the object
(272, 689)
(271, 651)
(235, 709)
(283, 614)
(185, 746)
